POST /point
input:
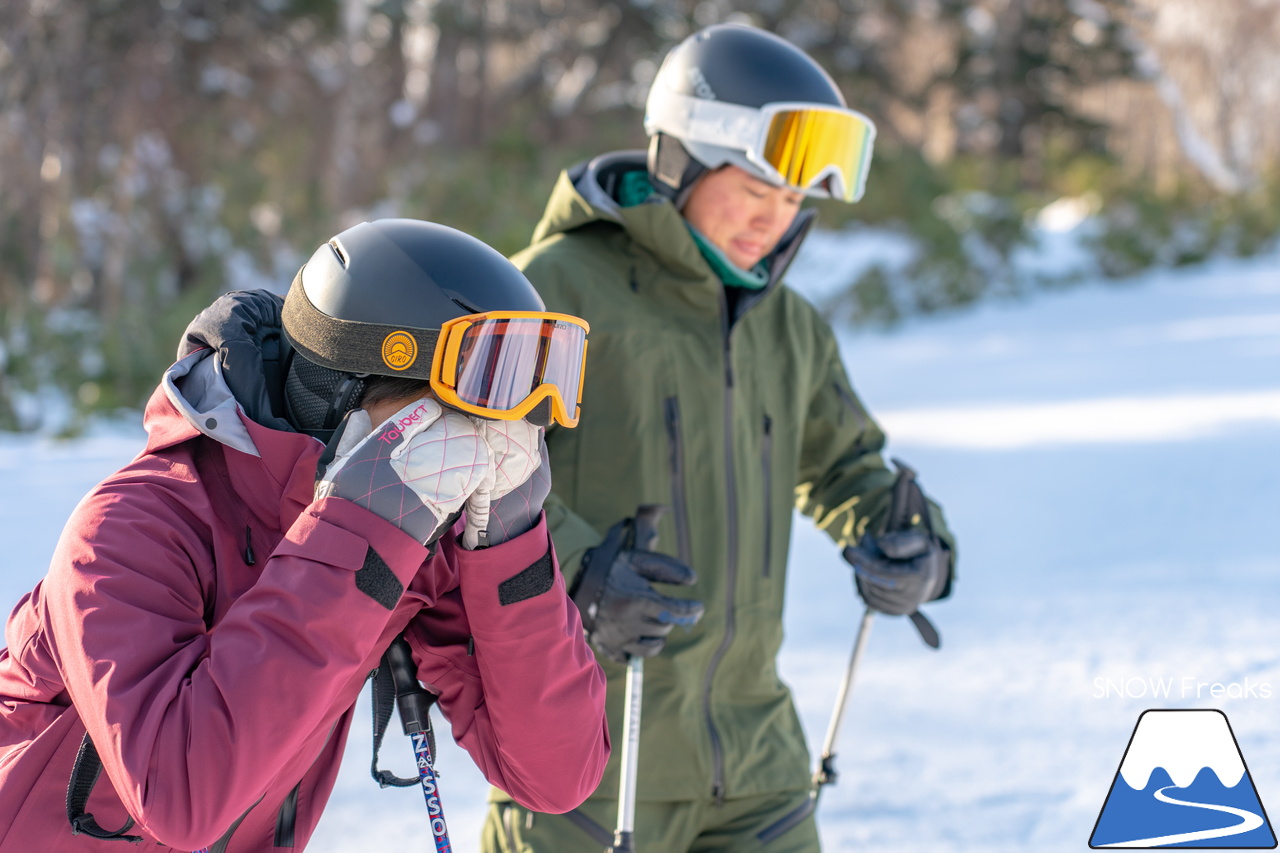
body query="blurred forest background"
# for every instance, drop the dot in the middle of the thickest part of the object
(153, 155)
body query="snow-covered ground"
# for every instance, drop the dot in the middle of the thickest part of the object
(1109, 457)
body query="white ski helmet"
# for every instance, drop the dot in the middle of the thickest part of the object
(733, 94)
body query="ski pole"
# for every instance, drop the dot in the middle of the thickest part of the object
(825, 774)
(900, 518)
(645, 533)
(415, 706)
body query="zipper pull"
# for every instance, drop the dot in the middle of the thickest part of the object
(248, 546)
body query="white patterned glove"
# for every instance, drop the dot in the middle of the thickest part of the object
(416, 470)
(510, 496)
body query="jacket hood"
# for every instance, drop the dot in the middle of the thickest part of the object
(224, 385)
(245, 328)
(228, 381)
(582, 194)
(587, 193)
(198, 394)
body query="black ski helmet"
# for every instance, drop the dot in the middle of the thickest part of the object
(370, 302)
(736, 64)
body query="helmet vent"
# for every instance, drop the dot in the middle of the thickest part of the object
(457, 299)
(340, 252)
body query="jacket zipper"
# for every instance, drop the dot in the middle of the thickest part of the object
(287, 818)
(679, 502)
(767, 454)
(731, 563)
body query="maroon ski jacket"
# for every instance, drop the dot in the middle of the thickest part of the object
(210, 627)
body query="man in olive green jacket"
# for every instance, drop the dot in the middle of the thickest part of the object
(719, 392)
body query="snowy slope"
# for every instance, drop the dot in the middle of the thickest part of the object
(1110, 460)
(1100, 538)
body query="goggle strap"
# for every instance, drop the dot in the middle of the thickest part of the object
(744, 128)
(355, 347)
(712, 122)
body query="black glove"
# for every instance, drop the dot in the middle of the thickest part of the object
(622, 613)
(897, 572)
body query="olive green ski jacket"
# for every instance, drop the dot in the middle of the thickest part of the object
(731, 413)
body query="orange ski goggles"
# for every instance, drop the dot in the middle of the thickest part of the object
(503, 364)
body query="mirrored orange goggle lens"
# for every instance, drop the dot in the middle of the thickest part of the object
(804, 145)
(502, 361)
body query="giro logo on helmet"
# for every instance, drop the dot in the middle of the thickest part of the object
(700, 85)
(399, 350)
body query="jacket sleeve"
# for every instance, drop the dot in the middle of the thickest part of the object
(194, 723)
(522, 691)
(844, 483)
(572, 534)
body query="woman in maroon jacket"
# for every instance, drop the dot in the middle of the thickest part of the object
(214, 607)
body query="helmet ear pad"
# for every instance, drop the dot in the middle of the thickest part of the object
(318, 398)
(676, 165)
(673, 171)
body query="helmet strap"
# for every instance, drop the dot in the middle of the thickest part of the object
(672, 170)
(345, 399)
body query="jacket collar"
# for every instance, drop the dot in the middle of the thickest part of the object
(193, 400)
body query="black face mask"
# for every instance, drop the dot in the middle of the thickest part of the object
(318, 398)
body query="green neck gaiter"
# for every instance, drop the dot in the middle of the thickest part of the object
(634, 188)
(732, 275)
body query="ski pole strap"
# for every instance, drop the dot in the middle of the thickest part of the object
(84, 775)
(826, 773)
(383, 688)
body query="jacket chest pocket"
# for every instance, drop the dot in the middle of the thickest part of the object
(766, 461)
(676, 470)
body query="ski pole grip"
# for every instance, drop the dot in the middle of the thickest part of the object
(413, 700)
(905, 502)
(900, 509)
(646, 526)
